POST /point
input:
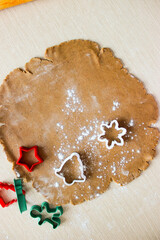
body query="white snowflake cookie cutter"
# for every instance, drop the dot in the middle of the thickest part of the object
(83, 177)
(114, 142)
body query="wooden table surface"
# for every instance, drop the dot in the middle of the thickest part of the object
(132, 30)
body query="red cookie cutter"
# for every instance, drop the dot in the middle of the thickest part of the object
(7, 187)
(25, 149)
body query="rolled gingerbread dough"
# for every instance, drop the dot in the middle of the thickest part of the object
(58, 103)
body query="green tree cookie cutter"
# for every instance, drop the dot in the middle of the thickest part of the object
(54, 220)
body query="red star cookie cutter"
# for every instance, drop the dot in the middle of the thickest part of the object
(25, 149)
(7, 186)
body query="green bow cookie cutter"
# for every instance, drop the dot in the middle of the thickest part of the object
(54, 220)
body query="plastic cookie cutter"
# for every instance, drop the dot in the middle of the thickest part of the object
(68, 180)
(103, 137)
(20, 196)
(7, 186)
(27, 166)
(54, 220)
(11, 187)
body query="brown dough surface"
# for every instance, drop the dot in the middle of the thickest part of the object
(58, 103)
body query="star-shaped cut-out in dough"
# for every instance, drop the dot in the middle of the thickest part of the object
(21, 161)
(111, 142)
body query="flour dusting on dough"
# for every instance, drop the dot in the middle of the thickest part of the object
(73, 103)
(116, 105)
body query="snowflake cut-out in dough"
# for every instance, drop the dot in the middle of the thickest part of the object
(102, 137)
